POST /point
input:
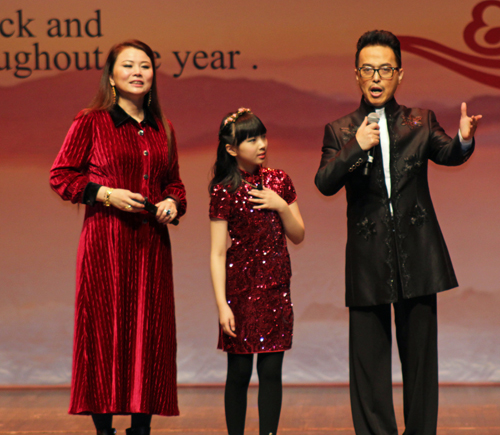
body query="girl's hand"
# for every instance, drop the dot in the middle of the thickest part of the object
(122, 199)
(167, 211)
(226, 320)
(267, 199)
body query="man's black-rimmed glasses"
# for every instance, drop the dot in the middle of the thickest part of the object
(385, 72)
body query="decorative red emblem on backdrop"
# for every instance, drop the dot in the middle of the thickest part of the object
(479, 37)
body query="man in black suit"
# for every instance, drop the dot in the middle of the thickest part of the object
(395, 250)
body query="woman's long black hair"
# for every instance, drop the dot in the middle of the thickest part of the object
(225, 170)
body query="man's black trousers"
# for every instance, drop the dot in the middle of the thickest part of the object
(370, 344)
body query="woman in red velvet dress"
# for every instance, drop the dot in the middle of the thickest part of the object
(251, 279)
(118, 153)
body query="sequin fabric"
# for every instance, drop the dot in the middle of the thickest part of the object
(124, 341)
(258, 268)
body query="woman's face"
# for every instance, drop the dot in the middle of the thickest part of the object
(132, 74)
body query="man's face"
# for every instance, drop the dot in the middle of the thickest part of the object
(376, 90)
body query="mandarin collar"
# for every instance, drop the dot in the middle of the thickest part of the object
(391, 107)
(120, 117)
(256, 174)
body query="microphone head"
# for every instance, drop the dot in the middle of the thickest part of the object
(373, 117)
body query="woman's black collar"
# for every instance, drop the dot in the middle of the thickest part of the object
(120, 117)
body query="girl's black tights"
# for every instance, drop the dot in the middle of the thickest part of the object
(239, 372)
(105, 421)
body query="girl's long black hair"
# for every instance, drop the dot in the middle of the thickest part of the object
(225, 170)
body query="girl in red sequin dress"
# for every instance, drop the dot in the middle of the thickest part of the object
(251, 278)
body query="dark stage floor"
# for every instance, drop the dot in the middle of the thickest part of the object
(464, 410)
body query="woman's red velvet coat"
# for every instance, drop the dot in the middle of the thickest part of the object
(124, 340)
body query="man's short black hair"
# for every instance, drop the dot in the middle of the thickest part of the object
(379, 37)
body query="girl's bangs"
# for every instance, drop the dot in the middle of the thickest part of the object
(248, 125)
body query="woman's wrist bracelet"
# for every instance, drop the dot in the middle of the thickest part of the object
(107, 202)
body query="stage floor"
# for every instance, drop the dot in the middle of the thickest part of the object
(306, 410)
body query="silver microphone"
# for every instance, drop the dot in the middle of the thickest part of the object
(372, 117)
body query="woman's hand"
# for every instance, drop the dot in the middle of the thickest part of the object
(267, 199)
(122, 199)
(167, 211)
(226, 320)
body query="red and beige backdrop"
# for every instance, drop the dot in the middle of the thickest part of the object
(292, 63)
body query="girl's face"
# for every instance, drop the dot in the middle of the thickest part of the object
(132, 74)
(250, 154)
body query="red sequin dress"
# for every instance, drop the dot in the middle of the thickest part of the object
(258, 268)
(124, 342)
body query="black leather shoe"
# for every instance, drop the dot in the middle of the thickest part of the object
(138, 431)
(107, 432)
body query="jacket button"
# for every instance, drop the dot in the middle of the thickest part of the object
(146, 176)
(141, 132)
(146, 153)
